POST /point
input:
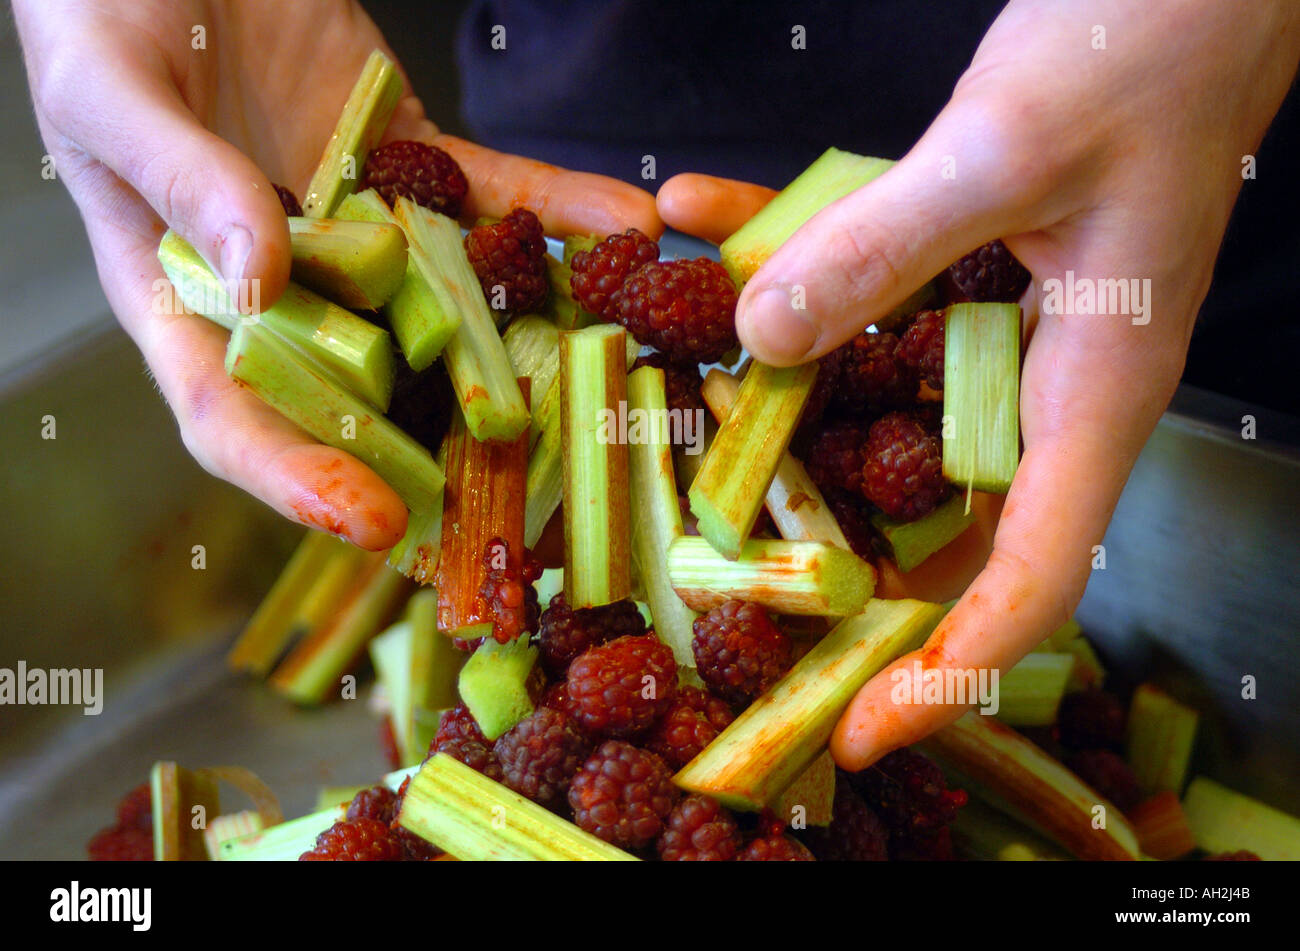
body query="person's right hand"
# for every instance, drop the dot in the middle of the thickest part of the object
(148, 132)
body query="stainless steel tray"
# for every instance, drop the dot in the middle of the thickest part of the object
(95, 571)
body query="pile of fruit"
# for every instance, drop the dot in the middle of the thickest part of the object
(667, 686)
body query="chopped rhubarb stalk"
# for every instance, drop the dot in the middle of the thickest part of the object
(597, 527)
(533, 346)
(913, 542)
(566, 313)
(494, 681)
(230, 826)
(1161, 827)
(1161, 732)
(1030, 693)
(793, 499)
(981, 396)
(733, 481)
(175, 793)
(811, 797)
(476, 819)
(1009, 772)
(416, 554)
(360, 127)
(483, 506)
(1223, 820)
(358, 264)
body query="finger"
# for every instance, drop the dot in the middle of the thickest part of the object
(1083, 429)
(708, 207)
(566, 202)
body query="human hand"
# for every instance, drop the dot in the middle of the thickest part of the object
(1119, 162)
(148, 132)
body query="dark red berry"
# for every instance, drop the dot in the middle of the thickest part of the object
(121, 844)
(1108, 775)
(459, 737)
(377, 802)
(1090, 719)
(935, 847)
(714, 709)
(775, 848)
(872, 377)
(565, 633)
(855, 834)
(355, 840)
(903, 476)
(619, 689)
(921, 347)
(699, 830)
(680, 734)
(423, 173)
(507, 591)
(509, 258)
(288, 201)
(422, 403)
(909, 793)
(681, 381)
(838, 455)
(851, 512)
(684, 309)
(622, 794)
(598, 273)
(819, 400)
(739, 652)
(540, 754)
(135, 810)
(989, 273)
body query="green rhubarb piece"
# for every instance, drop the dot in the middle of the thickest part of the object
(1088, 671)
(494, 681)
(733, 480)
(778, 736)
(1161, 732)
(334, 584)
(785, 577)
(981, 833)
(358, 354)
(421, 313)
(298, 389)
(533, 347)
(358, 264)
(475, 357)
(652, 491)
(328, 797)
(981, 395)
(597, 525)
(435, 660)
(913, 542)
(183, 802)
(230, 826)
(360, 128)
(1030, 693)
(416, 553)
(578, 242)
(561, 306)
(391, 654)
(810, 799)
(477, 819)
(1223, 820)
(834, 175)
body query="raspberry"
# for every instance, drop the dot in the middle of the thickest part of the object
(872, 377)
(622, 794)
(565, 633)
(854, 521)
(908, 792)
(355, 840)
(681, 380)
(556, 696)
(510, 255)
(921, 347)
(819, 399)
(837, 456)
(903, 476)
(775, 848)
(600, 272)
(699, 830)
(422, 403)
(508, 595)
(989, 273)
(377, 802)
(680, 734)
(1238, 856)
(423, 173)
(855, 834)
(1090, 719)
(620, 688)
(684, 309)
(715, 710)
(288, 201)
(460, 738)
(121, 844)
(739, 652)
(540, 754)
(1109, 775)
(135, 811)
(935, 847)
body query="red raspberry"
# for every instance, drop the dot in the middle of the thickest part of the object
(508, 595)
(684, 309)
(699, 830)
(288, 201)
(511, 254)
(714, 709)
(556, 696)
(903, 476)
(775, 848)
(680, 734)
(837, 456)
(135, 811)
(854, 520)
(1239, 856)
(565, 633)
(619, 689)
(460, 738)
(855, 834)
(921, 347)
(908, 791)
(1090, 719)
(622, 794)
(355, 840)
(681, 381)
(423, 173)
(600, 272)
(121, 844)
(989, 273)
(819, 399)
(378, 803)
(1109, 775)
(739, 652)
(872, 377)
(540, 754)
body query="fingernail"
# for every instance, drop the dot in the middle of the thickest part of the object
(236, 246)
(777, 330)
